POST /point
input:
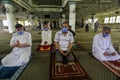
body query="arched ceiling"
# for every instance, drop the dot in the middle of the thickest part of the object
(56, 7)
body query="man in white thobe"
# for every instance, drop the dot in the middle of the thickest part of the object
(102, 47)
(21, 43)
(46, 34)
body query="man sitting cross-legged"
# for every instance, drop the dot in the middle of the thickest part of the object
(102, 47)
(46, 34)
(21, 42)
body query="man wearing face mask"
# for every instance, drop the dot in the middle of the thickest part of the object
(64, 42)
(21, 42)
(102, 47)
(46, 34)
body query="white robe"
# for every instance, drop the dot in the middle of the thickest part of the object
(18, 56)
(46, 36)
(101, 45)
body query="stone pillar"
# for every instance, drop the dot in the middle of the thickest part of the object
(63, 18)
(41, 23)
(31, 21)
(60, 22)
(92, 22)
(1, 24)
(10, 17)
(72, 14)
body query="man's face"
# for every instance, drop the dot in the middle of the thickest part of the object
(64, 28)
(64, 25)
(20, 29)
(106, 32)
(46, 25)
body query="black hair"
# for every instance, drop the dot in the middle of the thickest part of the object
(65, 23)
(70, 26)
(18, 26)
(45, 22)
(106, 28)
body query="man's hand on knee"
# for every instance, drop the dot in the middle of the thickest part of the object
(106, 54)
(113, 53)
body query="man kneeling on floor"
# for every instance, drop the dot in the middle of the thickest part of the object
(103, 49)
(64, 42)
(46, 35)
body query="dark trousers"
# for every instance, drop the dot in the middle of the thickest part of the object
(64, 59)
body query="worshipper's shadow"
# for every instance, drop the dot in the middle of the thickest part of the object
(77, 46)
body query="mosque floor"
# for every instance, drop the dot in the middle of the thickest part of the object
(38, 68)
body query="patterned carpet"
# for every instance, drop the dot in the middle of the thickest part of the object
(71, 71)
(113, 66)
(38, 69)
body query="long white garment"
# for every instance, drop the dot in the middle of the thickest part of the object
(46, 36)
(18, 56)
(101, 45)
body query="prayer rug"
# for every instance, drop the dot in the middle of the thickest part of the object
(70, 71)
(44, 48)
(113, 66)
(11, 73)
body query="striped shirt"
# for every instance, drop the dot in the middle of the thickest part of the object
(64, 40)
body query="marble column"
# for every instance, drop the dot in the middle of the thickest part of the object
(72, 14)
(31, 21)
(1, 24)
(60, 22)
(10, 17)
(92, 21)
(63, 18)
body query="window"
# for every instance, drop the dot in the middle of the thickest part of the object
(21, 22)
(90, 20)
(5, 23)
(95, 20)
(106, 20)
(46, 16)
(118, 19)
(27, 23)
(112, 19)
